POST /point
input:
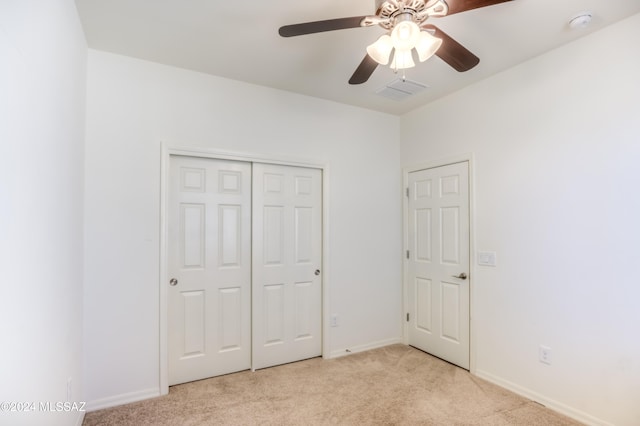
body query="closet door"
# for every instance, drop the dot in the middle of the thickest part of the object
(209, 264)
(287, 248)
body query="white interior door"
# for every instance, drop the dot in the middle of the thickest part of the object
(209, 257)
(287, 246)
(438, 265)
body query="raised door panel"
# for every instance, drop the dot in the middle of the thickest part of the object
(193, 305)
(230, 316)
(450, 320)
(274, 239)
(303, 301)
(273, 314)
(423, 308)
(450, 235)
(230, 233)
(303, 223)
(423, 239)
(192, 238)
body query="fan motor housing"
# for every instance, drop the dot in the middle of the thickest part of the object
(420, 10)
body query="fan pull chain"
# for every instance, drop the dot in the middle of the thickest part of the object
(404, 74)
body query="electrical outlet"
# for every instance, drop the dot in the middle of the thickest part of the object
(544, 354)
(334, 320)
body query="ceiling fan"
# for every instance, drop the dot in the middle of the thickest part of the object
(407, 31)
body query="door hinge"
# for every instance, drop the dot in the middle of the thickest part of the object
(407, 316)
(407, 254)
(407, 192)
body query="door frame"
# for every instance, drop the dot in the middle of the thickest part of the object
(461, 158)
(169, 150)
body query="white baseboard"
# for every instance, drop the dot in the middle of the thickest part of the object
(547, 402)
(361, 348)
(125, 398)
(130, 397)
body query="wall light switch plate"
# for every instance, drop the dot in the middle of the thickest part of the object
(334, 320)
(487, 258)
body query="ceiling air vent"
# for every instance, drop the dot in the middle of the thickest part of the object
(400, 89)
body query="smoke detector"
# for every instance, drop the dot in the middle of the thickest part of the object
(580, 20)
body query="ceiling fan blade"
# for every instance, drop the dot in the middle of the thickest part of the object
(364, 70)
(457, 6)
(452, 52)
(320, 26)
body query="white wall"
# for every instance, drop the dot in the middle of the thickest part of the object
(133, 106)
(556, 144)
(42, 91)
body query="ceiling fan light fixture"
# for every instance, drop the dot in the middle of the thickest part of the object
(405, 35)
(427, 46)
(404, 21)
(402, 59)
(380, 51)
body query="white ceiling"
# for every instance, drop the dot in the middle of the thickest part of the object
(239, 40)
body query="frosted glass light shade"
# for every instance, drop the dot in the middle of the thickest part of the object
(402, 59)
(427, 46)
(381, 50)
(405, 35)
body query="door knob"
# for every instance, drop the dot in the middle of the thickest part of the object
(173, 282)
(462, 276)
(317, 272)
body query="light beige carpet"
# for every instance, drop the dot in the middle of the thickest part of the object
(394, 385)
